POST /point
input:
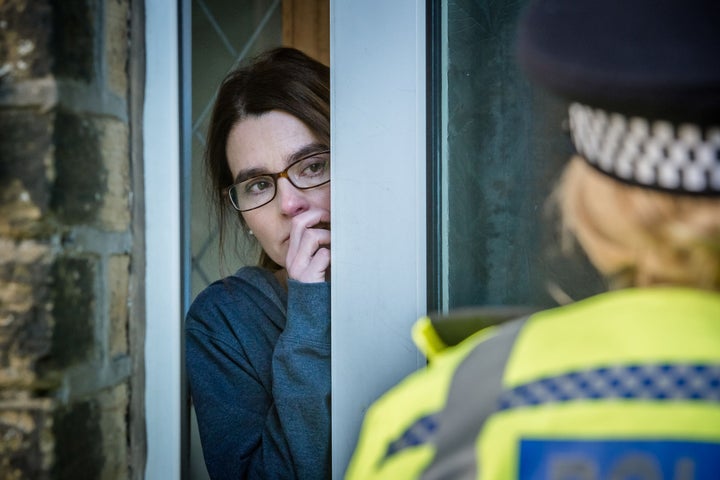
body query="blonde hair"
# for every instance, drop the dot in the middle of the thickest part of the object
(640, 237)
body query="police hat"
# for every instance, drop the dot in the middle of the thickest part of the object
(643, 78)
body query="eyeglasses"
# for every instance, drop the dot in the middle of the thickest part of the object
(308, 172)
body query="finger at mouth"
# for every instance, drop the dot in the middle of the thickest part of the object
(322, 225)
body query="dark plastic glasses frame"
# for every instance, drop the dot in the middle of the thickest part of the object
(275, 177)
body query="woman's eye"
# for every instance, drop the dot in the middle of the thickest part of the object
(315, 168)
(255, 187)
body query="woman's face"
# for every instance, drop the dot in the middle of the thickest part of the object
(268, 143)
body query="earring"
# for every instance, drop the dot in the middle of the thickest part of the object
(250, 232)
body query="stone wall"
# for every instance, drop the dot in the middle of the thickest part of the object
(71, 242)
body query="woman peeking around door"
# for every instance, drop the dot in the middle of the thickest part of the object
(258, 341)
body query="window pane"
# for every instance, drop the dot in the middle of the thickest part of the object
(499, 146)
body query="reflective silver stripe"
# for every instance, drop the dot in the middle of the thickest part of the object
(469, 404)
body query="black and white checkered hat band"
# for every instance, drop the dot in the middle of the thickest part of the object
(656, 154)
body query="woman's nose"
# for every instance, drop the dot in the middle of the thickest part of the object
(292, 200)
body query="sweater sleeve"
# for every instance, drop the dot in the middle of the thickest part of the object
(301, 378)
(261, 394)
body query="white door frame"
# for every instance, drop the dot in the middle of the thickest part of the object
(377, 60)
(164, 405)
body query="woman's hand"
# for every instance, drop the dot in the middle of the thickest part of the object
(308, 256)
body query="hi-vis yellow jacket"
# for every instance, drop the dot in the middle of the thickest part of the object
(623, 385)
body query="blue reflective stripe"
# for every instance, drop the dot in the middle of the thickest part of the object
(630, 459)
(646, 382)
(418, 433)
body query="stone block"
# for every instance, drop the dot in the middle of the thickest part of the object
(79, 447)
(75, 30)
(113, 406)
(26, 442)
(117, 283)
(25, 27)
(114, 213)
(92, 167)
(25, 321)
(73, 308)
(117, 45)
(25, 169)
(91, 437)
(80, 180)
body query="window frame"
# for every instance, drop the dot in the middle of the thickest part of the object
(165, 409)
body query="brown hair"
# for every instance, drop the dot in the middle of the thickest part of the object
(280, 79)
(638, 236)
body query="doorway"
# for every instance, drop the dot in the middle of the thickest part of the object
(225, 33)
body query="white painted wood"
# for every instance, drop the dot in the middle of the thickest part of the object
(163, 406)
(377, 64)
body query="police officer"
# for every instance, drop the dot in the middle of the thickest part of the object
(625, 384)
